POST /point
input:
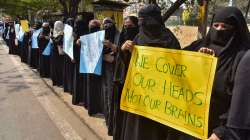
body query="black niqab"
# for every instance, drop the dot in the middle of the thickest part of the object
(152, 30)
(81, 27)
(46, 30)
(94, 29)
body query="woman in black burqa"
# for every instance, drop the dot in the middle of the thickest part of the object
(68, 66)
(109, 50)
(129, 31)
(57, 54)
(94, 81)
(153, 33)
(43, 41)
(228, 38)
(10, 38)
(34, 52)
(25, 47)
(79, 80)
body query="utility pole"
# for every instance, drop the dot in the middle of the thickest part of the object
(202, 28)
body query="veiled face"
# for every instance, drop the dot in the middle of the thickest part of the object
(128, 24)
(220, 26)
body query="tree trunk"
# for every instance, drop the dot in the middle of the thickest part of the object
(74, 7)
(202, 28)
(172, 9)
(65, 8)
(247, 9)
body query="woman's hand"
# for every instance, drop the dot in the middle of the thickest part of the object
(128, 45)
(109, 44)
(207, 51)
(78, 42)
(213, 137)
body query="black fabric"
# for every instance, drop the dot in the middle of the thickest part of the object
(68, 67)
(110, 33)
(70, 22)
(137, 127)
(94, 85)
(25, 48)
(68, 74)
(79, 79)
(44, 61)
(37, 25)
(34, 52)
(57, 62)
(107, 75)
(121, 67)
(229, 57)
(46, 30)
(94, 29)
(152, 30)
(10, 32)
(239, 113)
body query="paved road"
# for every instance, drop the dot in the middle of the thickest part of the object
(29, 110)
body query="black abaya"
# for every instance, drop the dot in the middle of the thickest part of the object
(68, 74)
(137, 127)
(68, 67)
(44, 61)
(238, 123)
(94, 84)
(57, 62)
(107, 91)
(24, 48)
(120, 71)
(79, 81)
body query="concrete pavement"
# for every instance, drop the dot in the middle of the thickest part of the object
(30, 110)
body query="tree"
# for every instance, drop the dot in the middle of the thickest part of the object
(21, 7)
(70, 7)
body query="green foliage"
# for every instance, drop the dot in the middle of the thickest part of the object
(20, 7)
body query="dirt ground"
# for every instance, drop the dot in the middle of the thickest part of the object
(185, 34)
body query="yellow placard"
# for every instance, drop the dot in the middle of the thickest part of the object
(172, 87)
(25, 25)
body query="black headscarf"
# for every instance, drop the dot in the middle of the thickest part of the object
(131, 32)
(152, 30)
(46, 29)
(80, 27)
(123, 57)
(70, 22)
(94, 26)
(37, 25)
(110, 29)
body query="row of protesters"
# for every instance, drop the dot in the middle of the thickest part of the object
(227, 39)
